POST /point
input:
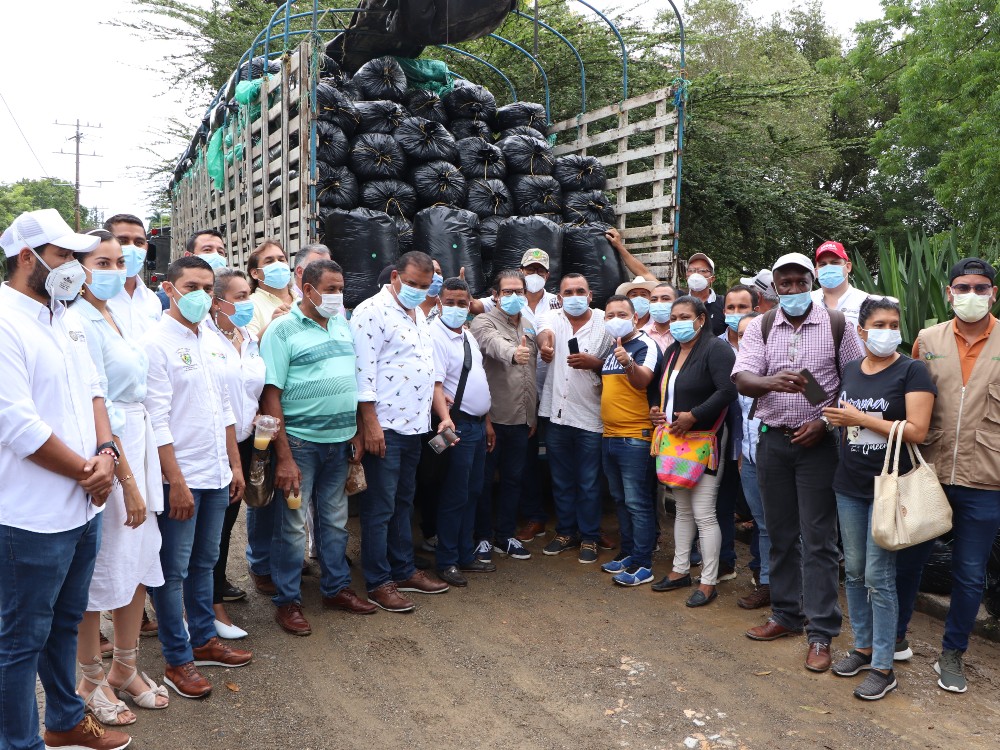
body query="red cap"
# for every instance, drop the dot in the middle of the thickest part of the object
(832, 247)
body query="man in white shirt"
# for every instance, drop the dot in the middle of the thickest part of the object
(57, 460)
(833, 270)
(208, 243)
(395, 364)
(188, 403)
(136, 307)
(574, 343)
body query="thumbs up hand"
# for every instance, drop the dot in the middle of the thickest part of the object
(621, 355)
(522, 355)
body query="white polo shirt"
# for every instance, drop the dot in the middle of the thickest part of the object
(188, 400)
(49, 387)
(245, 372)
(849, 304)
(138, 312)
(449, 358)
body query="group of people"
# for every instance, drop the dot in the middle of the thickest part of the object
(127, 440)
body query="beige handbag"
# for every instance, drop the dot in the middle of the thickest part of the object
(908, 509)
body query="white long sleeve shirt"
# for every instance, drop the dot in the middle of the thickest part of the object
(49, 387)
(188, 400)
(138, 312)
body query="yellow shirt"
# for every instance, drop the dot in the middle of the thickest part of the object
(625, 408)
(264, 305)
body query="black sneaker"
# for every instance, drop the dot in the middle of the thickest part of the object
(561, 544)
(231, 593)
(876, 685)
(851, 664)
(588, 552)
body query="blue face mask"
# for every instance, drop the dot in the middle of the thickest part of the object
(106, 284)
(194, 306)
(683, 330)
(733, 321)
(830, 277)
(575, 306)
(435, 287)
(135, 257)
(513, 304)
(660, 311)
(276, 275)
(409, 296)
(795, 304)
(454, 317)
(216, 261)
(243, 314)
(641, 306)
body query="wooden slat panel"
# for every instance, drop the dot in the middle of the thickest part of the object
(608, 136)
(612, 109)
(643, 178)
(634, 207)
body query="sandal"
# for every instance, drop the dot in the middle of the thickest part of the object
(147, 698)
(104, 709)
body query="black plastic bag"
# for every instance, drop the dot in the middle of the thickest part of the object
(404, 227)
(426, 104)
(535, 195)
(525, 155)
(936, 576)
(381, 116)
(479, 158)
(520, 233)
(256, 68)
(332, 145)
(470, 129)
(523, 113)
(376, 156)
(336, 187)
(381, 78)
(394, 197)
(451, 236)
(426, 140)
(521, 130)
(488, 229)
(587, 251)
(330, 68)
(576, 172)
(588, 206)
(363, 242)
(335, 106)
(489, 198)
(471, 103)
(439, 182)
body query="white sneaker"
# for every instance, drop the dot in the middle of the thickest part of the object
(229, 632)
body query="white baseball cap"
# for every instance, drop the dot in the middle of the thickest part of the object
(44, 227)
(761, 282)
(793, 259)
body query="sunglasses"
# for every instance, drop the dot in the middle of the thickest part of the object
(981, 289)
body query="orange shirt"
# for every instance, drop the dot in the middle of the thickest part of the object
(967, 353)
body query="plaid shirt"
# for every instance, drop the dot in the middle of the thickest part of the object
(811, 348)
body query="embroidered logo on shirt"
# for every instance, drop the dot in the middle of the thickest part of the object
(186, 359)
(77, 336)
(931, 355)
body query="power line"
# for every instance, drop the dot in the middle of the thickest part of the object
(27, 142)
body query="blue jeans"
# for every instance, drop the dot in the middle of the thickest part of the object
(626, 465)
(975, 520)
(510, 458)
(870, 581)
(188, 555)
(725, 510)
(44, 582)
(324, 472)
(574, 459)
(459, 494)
(387, 510)
(532, 502)
(260, 530)
(748, 477)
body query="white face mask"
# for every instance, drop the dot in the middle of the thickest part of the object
(332, 304)
(534, 283)
(970, 307)
(882, 342)
(697, 282)
(63, 282)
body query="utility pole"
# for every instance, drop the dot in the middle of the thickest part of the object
(78, 137)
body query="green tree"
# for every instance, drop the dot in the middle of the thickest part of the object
(31, 195)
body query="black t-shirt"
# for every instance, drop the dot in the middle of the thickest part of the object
(862, 452)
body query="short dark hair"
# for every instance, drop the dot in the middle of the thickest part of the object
(511, 273)
(223, 277)
(873, 304)
(573, 276)
(697, 304)
(253, 260)
(176, 269)
(666, 284)
(312, 273)
(123, 219)
(754, 297)
(102, 234)
(189, 247)
(455, 284)
(619, 298)
(420, 261)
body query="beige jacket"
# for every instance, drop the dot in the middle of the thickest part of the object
(963, 442)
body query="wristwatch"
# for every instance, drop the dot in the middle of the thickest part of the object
(829, 427)
(109, 446)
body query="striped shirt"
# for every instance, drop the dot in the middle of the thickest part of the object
(314, 368)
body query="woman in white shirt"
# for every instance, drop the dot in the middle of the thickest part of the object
(270, 285)
(129, 558)
(231, 312)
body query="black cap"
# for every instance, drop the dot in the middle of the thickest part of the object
(386, 275)
(972, 266)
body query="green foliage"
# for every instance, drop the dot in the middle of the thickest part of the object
(32, 195)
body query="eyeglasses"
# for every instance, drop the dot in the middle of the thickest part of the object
(878, 297)
(981, 289)
(510, 292)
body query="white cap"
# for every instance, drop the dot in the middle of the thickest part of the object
(45, 227)
(761, 282)
(793, 259)
(702, 256)
(638, 283)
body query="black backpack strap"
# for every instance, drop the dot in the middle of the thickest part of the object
(838, 324)
(766, 324)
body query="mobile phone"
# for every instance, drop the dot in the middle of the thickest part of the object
(443, 440)
(814, 392)
(574, 346)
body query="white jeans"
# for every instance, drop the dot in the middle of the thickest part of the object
(696, 508)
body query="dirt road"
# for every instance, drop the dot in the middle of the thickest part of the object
(548, 653)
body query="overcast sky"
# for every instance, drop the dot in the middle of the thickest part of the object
(67, 62)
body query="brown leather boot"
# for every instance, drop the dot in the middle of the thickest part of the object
(760, 597)
(291, 619)
(87, 734)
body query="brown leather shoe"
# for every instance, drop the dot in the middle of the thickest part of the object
(605, 542)
(760, 597)
(530, 530)
(347, 600)
(818, 658)
(89, 734)
(149, 627)
(216, 653)
(387, 597)
(770, 631)
(107, 650)
(291, 619)
(264, 584)
(187, 681)
(421, 583)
